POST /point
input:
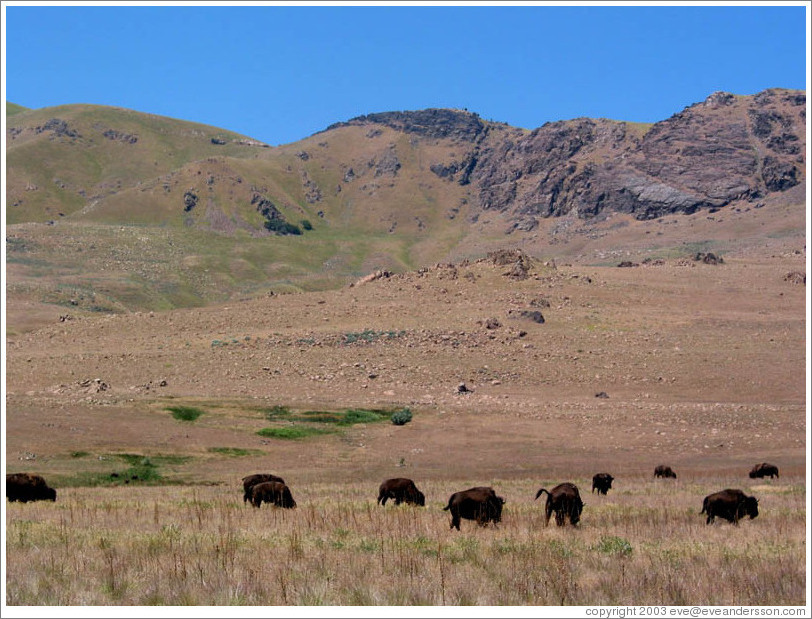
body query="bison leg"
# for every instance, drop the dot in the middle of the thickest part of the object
(548, 511)
(455, 519)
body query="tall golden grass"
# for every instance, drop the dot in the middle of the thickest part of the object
(643, 543)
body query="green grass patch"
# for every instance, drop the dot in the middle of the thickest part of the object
(292, 433)
(319, 417)
(234, 452)
(156, 460)
(613, 545)
(185, 413)
(140, 469)
(347, 417)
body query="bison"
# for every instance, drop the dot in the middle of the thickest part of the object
(764, 470)
(729, 504)
(401, 490)
(480, 503)
(250, 481)
(25, 487)
(565, 501)
(664, 471)
(602, 482)
(272, 492)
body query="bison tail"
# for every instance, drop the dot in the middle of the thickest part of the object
(541, 490)
(447, 507)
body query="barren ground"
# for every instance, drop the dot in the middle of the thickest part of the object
(703, 366)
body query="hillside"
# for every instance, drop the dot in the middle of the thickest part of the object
(116, 210)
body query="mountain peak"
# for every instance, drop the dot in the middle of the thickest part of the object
(431, 122)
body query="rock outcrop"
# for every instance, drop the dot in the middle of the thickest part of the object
(723, 149)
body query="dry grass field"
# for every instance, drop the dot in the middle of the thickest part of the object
(699, 366)
(643, 543)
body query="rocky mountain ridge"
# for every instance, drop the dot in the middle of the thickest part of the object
(723, 149)
(161, 213)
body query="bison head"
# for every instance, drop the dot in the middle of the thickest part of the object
(750, 506)
(495, 504)
(420, 498)
(575, 511)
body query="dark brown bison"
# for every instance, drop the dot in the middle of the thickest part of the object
(730, 505)
(664, 471)
(26, 487)
(401, 490)
(565, 501)
(479, 503)
(764, 470)
(602, 482)
(249, 481)
(272, 492)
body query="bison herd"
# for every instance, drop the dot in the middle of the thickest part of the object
(480, 504)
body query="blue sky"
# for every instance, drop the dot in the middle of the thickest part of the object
(281, 73)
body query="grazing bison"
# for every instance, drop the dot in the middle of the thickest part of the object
(602, 482)
(565, 501)
(664, 471)
(479, 503)
(249, 481)
(272, 492)
(764, 470)
(401, 490)
(25, 487)
(730, 505)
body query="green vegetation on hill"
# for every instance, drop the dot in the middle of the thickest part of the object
(13, 108)
(152, 213)
(63, 158)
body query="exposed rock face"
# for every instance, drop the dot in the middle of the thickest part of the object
(59, 128)
(430, 123)
(387, 164)
(723, 149)
(120, 136)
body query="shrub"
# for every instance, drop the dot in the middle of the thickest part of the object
(306, 225)
(402, 417)
(282, 227)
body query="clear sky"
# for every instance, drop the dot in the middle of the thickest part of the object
(281, 72)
